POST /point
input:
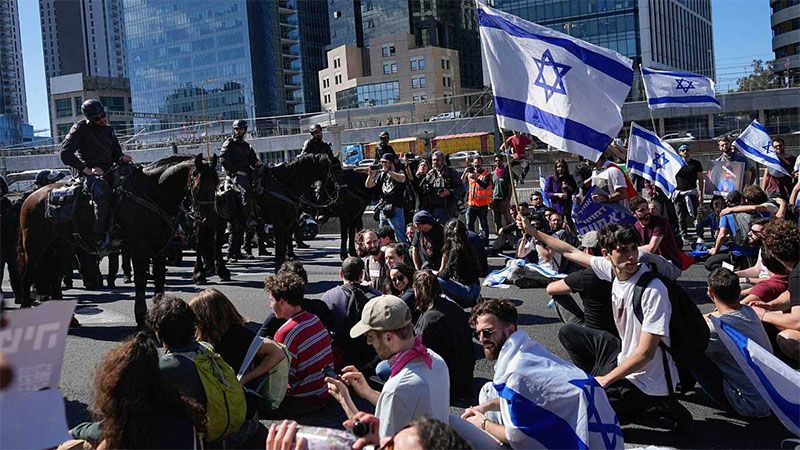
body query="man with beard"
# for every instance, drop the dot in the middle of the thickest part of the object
(441, 189)
(376, 274)
(655, 233)
(419, 384)
(529, 378)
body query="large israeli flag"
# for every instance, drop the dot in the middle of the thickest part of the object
(756, 144)
(565, 91)
(653, 159)
(777, 383)
(670, 89)
(549, 403)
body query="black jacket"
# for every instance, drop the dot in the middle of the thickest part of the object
(381, 150)
(237, 155)
(90, 145)
(316, 147)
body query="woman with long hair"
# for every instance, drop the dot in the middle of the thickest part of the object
(220, 324)
(559, 188)
(444, 328)
(401, 276)
(135, 407)
(459, 274)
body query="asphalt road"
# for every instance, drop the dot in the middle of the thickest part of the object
(107, 318)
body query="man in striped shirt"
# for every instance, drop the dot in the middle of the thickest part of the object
(306, 340)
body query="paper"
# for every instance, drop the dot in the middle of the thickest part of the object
(34, 343)
(728, 266)
(32, 420)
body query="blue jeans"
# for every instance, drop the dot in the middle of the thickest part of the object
(397, 222)
(100, 191)
(465, 296)
(439, 213)
(481, 213)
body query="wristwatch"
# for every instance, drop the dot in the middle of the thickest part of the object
(747, 280)
(483, 424)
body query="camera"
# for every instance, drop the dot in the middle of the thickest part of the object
(375, 167)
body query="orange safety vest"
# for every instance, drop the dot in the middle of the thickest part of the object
(478, 196)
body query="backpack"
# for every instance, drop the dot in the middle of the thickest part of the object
(226, 407)
(688, 331)
(356, 350)
(62, 202)
(269, 390)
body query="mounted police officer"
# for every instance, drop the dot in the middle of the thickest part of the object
(91, 147)
(240, 162)
(315, 145)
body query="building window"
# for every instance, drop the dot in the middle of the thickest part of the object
(394, 67)
(389, 68)
(327, 98)
(64, 107)
(422, 64)
(78, 101)
(326, 82)
(414, 64)
(337, 14)
(444, 81)
(370, 24)
(387, 50)
(414, 82)
(337, 79)
(418, 64)
(337, 63)
(423, 81)
(113, 103)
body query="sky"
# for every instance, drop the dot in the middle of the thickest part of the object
(741, 34)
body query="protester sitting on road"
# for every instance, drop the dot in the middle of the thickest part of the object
(459, 274)
(655, 233)
(316, 307)
(709, 217)
(174, 324)
(421, 434)
(444, 328)
(770, 288)
(220, 324)
(345, 303)
(402, 276)
(530, 378)
(595, 293)
(376, 273)
(744, 231)
(781, 317)
(756, 201)
(136, 407)
(396, 253)
(306, 340)
(631, 368)
(725, 381)
(509, 235)
(385, 236)
(537, 203)
(426, 248)
(361, 250)
(419, 384)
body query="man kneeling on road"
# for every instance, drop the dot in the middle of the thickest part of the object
(536, 400)
(631, 368)
(419, 384)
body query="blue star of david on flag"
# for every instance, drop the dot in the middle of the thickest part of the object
(609, 431)
(768, 148)
(684, 87)
(660, 161)
(558, 69)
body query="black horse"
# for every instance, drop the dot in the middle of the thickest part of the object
(145, 204)
(349, 207)
(277, 197)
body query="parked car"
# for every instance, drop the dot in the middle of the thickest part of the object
(678, 138)
(366, 162)
(446, 116)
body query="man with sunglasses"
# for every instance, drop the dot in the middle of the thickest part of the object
(91, 148)
(315, 145)
(535, 391)
(419, 384)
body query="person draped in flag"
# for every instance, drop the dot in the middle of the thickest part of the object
(612, 186)
(774, 183)
(536, 400)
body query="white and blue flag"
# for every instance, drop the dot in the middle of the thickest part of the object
(777, 383)
(545, 198)
(756, 144)
(567, 92)
(653, 159)
(547, 402)
(670, 89)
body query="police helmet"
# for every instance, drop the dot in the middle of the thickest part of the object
(240, 124)
(43, 178)
(314, 128)
(93, 109)
(384, 135)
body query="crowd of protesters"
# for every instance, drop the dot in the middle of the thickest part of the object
(398, 332)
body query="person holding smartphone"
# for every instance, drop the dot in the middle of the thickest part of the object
(391, 182)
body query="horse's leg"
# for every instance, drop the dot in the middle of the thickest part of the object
(218, 261)
(63, 258)
(202, 244)
(140, 266)
(159, 273)
(344, 232)
(351, 238)
(237, 235)
(262, 239)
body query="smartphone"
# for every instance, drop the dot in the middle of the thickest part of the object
(329, 372)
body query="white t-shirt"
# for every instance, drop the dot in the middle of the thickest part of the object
(610, 179)
(414, 392)
(656, 312)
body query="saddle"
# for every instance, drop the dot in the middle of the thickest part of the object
(62, 202)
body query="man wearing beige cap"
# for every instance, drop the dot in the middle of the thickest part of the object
(419, 384)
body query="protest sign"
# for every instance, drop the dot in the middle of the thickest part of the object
(589, 216)
(724, 177)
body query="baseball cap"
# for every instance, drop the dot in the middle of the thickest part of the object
(389, 157)
(590, 240)
(423, 217)
(382, 313)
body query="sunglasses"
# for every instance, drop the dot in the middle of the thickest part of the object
(486, 333)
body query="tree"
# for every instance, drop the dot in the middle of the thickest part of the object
(762, 77)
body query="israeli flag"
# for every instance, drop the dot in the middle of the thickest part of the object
(756, 144)
(545, 198)
(669, 89)
(547, 402)
(567, 92)
(653, 159)
(777, 383)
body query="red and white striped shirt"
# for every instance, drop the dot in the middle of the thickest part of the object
(309, 345)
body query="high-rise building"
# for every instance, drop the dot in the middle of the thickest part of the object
(83, 40)
(667, 34)
(785, 21)
(13, 104)
(68, 92)
(314, 37)
(225, 60)
(448, 24)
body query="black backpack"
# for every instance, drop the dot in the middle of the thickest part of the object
(688, 331)
(357, 351)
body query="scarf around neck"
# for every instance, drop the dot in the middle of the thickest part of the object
(400, 359)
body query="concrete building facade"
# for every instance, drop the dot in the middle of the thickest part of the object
(785, 23)
(68, 92)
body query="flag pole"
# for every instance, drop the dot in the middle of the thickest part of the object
(508, 165)
(650, 111)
